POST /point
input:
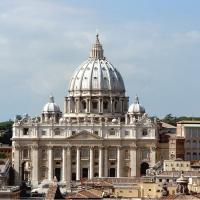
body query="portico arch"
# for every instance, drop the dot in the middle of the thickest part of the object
(143, 167)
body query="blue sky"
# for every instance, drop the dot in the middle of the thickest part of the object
(154, 44)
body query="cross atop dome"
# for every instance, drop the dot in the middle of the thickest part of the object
(137, 99)
(97, 38)
(97, 49)
(51, 99)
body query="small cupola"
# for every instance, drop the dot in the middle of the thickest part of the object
(51, 111)
(136, 107)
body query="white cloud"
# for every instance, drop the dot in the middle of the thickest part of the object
(42, 42)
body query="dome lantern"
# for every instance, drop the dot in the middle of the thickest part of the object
(97, 50)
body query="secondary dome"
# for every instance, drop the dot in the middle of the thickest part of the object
(136, 108)
(51, 106)
(96, 75)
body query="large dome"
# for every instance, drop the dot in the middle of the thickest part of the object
(96, 76)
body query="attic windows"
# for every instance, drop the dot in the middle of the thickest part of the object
(73, 132)
(112, 131)
(57, 132)
(96, 132)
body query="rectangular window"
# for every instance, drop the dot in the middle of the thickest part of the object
(145, 153)
(44, 154)
(127, 154)
(43, 171)
(112, 154)
(25, 154)
(57, 153)
(85, 153)
(96, 153)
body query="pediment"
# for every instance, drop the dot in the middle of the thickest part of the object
(85, 136)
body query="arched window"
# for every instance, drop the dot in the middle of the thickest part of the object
(83, 104)
(94, 105)
(105, 105)
(112, 131)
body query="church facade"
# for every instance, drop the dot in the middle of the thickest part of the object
(97, 135)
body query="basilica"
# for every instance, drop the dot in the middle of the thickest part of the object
(98, 134)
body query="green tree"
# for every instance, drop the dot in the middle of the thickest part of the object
(6, 132)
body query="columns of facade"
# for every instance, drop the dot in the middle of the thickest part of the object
(64, 164)
(121, 105)
(35, 169)
(89, 105)
(100, 162)
(91, 163)
(66, 105)
(105, 162)
(118, 162)
(76, 105)
(79, 105)
(68, 175)
(78, 163)
(133, 160)
(50, 163)
(152, 156)
(17, 164)
(99, 105)
(111, 105)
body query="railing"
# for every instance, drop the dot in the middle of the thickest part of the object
(9, 188)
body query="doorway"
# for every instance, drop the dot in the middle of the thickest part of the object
(144, 166)
(58, 173)
(112, 172)
(84, 172)
(73, 176)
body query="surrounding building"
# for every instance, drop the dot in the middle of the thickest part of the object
(98, 135)
(165, 133)
(6, 151)
(10, 192)
(190, 131)
(6, 172)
